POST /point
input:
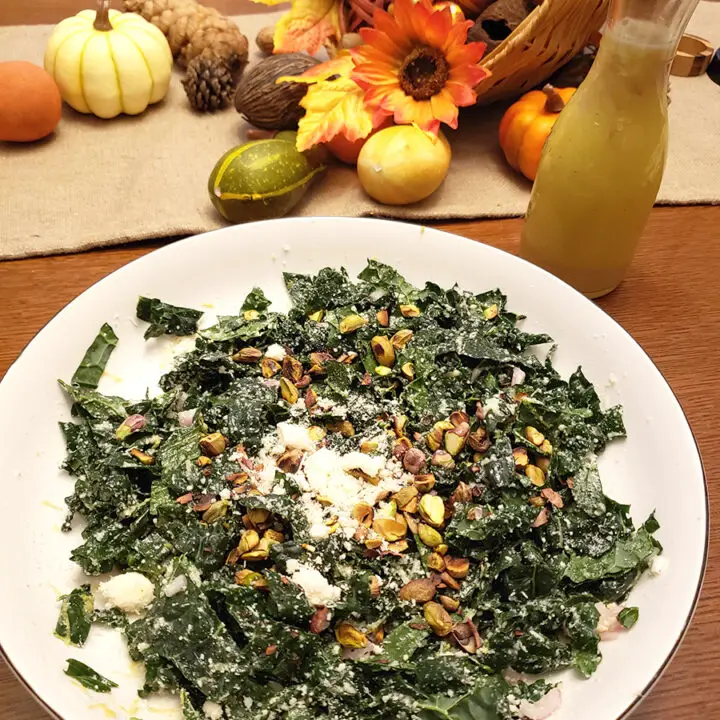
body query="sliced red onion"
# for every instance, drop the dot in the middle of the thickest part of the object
(609, 627)
(186, 417)
(543, 708)
(518, 376)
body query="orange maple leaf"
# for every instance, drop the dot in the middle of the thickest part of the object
(307, 26)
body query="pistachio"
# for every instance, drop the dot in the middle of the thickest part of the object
(534, 436)
(405, 496)
(247, 577)
(248, 540)
(409, 311)
(432, 510)
(478, 440)
(258, 516)
(361, 532)
(318, 361)
(543, 463)
(546, 447)
(383, 317)
(289, 461)
(351, 323)
(467, 637)
(130, 425)
(457, 567)
(435, 562)
(421, 590)
(408, 370)
(462, 493)
(310, 398)
(373, 543)
(316, 433)
(397, 547)
(251, 315)
(456, 438)
(316, 316)
(269, 367)
(401, 338)
(375, 585)
(203, 461)
(437, 618)
(292, 369)
(552, 497)
(383, 371)
(412, 523)
(450, 604)
(491, 312)
(212, 444)
(332, 520)
(449, 580)
(324, 500)
(248, 355)
(459, 417)
(274, 536)
(344, 427)
(184, 499)
(142, 457)
(383, 350)
(537, 501)
(216, 511)
(441, 458)
(260, 551)
(390, 528)
(441, 549)
(536, 475)
(368, 446)
(288, 391)
(366, 379)
(542, 518)
(402, 445)
(399, 423)
(414, 460)
(424, 483)
(202, 503)
(363, 513)
(521, 458)
(349, 636)
(320, 621)
(434, 439)
(429, 535)
(348, 358)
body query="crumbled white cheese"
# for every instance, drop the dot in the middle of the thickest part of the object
(130, 592)
(294, 436)
(275, 352)
(370, 465)
(658, 565)
(317, 589)
(176, 586)
(212, 710)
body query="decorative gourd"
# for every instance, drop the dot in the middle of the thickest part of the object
(526, 125)
(107, 62)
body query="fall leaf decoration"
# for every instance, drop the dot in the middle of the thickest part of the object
(333, 104)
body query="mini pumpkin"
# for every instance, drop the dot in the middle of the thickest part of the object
(527, 124)
(106, 62)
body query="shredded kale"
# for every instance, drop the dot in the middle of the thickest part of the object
(491, 554)
(88, 677)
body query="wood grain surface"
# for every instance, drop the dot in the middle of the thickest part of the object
(670, 303)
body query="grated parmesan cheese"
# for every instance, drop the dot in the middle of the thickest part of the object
(130, 592)
(317, 589)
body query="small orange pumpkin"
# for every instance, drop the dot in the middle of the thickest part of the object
(526, 125)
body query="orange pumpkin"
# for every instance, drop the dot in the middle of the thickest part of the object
(526, 125)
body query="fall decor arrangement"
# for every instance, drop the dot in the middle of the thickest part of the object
(106, 62)
(30, 102)
(201, 39)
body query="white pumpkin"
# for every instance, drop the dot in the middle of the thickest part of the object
(107, 62)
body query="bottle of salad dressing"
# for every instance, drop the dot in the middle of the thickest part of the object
(603, 163)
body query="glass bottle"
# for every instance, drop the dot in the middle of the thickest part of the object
(602, 165)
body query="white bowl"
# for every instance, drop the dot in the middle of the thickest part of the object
(656, 468)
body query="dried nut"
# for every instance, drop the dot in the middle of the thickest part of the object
(351, 323)
(414, 460)
(457, 567)
(521, 458)
(412, 523)
(248, 577)
(429, 535)
(536, 475)
(436, 562)
(320, 621)
(450, 581)
(292, 369)
(397, 547)
(401, 338)
(405, 496)
(389, 528)
(383, 317)
(402, 445)
(289, 461)
(361, 532)
(542, 518)
(455, 439)
(344, 427)
(316, 433)
(537, 501)
(412, 506)
(546, 447)
(543, 463)
(332, 520)
(310, 397)
(269, 367)
(399, 423)
(316, 316)
(203, 461)
(424, 483)
(349, 636)
(450, 604)
(248, 541)
(288, 391)
(216, 511)
(383, 350)
(248, 355)
(552, 497)
(441, 458)
(459, 418)
(375, 585)
(348, 358)
(467, 637)
(130, 425)
(408, 370)
(441, 549)
(363, 513)
(251, 315)
(142, 457)
(432, 510)
(409, 311)
(368, 446)
(491, 312)
(434, 439)
(265, 39)
(462, 493)
(437, 618)
(373, 543)
(212, 444)
(274, 536)
(534, 436)
(478, 440)
(421, 590)
(258, 516)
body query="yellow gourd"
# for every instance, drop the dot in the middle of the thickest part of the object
(107, 62)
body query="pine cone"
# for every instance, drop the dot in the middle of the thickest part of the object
(209, 84)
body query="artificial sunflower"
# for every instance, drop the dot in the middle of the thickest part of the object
(415, 65)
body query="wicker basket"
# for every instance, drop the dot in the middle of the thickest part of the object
(547, 39)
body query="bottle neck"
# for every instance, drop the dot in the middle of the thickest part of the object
(664, 20)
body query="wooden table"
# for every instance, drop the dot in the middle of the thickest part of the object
(670, 303)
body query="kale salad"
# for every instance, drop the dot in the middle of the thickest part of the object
(382, 505)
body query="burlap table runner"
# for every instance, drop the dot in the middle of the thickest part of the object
(104, 182)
